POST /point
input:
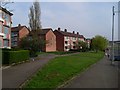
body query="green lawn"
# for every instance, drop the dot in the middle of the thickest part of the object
(61, 69)
(57, 53)
(39, 53)
(61, 53)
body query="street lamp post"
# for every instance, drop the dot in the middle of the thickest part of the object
(112, 61)
(113, 14)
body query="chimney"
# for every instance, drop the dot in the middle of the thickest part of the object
(59, 29)
(73, 32)
(65, 30)
(77, 33)
(19, 25)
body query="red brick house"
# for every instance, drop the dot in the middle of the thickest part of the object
(67, 40)
(17, 33)
(5, 28)
(49, 37)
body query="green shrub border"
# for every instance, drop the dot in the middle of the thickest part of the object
(10, 57)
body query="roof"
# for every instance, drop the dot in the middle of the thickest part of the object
(45, 30)
(41, 32)
(70, 34)
(18, 28)
(6, 11)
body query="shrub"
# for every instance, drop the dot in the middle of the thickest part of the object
(5, 49)
(33, 44)
(15, 49)
(9, 57)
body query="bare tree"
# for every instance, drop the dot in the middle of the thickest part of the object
(34, 16)
(34, 42)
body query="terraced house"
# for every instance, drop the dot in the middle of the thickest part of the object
(5, 28)
(17, 33)
(67, 40)
(49, 37)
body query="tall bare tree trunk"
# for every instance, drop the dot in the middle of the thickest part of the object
(34, 16)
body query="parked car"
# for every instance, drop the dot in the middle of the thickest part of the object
(116, 58)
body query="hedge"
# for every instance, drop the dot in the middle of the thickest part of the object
(9, 57)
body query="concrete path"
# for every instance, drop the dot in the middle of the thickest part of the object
(100, 75)
(14, 76)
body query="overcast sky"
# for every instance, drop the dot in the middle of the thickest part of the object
(87, 18)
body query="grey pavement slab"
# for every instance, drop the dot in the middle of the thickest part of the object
(99, 75)
(14, 76)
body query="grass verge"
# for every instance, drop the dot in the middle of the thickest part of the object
(56, 53)
(61, 69)
(62, 53)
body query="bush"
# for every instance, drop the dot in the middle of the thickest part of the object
(5, 49)
(15, 49)
(75, 50)
(9, 57)
(33, 44)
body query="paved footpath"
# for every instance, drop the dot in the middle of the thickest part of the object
(14, 76)
(100, 75)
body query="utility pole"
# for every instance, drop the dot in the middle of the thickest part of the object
(112, 61)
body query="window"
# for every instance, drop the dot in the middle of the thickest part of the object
(0, 43)
(7, 20)
(74, 38)
(66, 42)
(12, 34)
(6, 43)
(66, 47)
(73, 42)
(7, 17)
(30, 37)
(15, 39)
(6, 30)
(1, 14)
(0, 28)
(73, 47)
(14, 43)
(66, 37)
